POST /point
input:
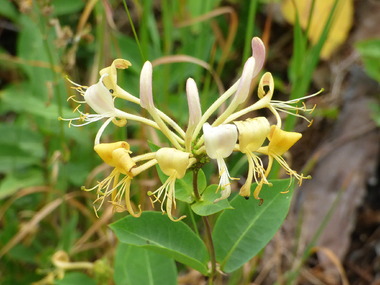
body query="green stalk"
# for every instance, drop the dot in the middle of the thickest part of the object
(134, 30)
(208, 231)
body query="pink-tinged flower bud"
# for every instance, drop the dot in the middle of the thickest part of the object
(245, 81)
(195, 112)
(146, 93)
(99, 98)
(258, 52)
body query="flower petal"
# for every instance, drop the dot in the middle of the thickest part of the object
(219, 141)
(99, 98)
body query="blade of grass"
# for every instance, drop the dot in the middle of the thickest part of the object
(250, 25)
(134, 30)
(308, 66)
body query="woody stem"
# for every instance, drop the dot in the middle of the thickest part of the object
(209, 241)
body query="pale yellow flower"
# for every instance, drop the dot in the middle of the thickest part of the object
(174, 164)
(252, 134)
(117, 155)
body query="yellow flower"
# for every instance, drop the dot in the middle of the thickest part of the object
(252, 134)
(174, 164)
(117, 155)
(280, 142)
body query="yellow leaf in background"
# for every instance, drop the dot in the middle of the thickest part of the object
(340, 27)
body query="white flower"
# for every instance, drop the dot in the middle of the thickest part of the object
(219, 143)
(99, 98)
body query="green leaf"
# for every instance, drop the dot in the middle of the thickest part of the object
(19, 147)
(75, 278)
(206, 206)
(8, 10)
(370, 53)
(155, 231)
(17, 180)
(18, 98)
(137, 265)
(241, 233)
(184, 186)
(12, 158)
(64, 7)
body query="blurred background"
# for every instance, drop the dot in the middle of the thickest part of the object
(332, 234)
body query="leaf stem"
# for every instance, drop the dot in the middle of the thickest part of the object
(209, 241)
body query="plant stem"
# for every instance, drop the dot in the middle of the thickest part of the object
(209, 243)
(195, 184)
(211, 250)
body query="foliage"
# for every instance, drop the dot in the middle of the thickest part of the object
(43, 163)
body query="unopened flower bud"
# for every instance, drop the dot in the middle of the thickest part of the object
(195, 112)
(245, 81)
(258, 53)
(146, 93)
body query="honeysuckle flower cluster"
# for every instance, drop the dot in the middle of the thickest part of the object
(217, 139)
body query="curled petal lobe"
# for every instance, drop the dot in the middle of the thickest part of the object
(266, 86)
(111, 81)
